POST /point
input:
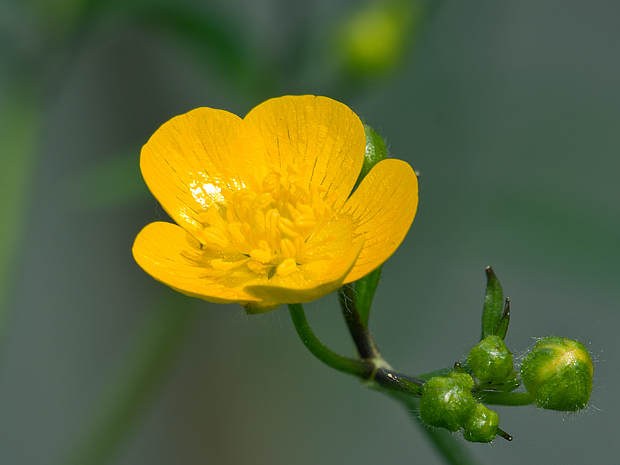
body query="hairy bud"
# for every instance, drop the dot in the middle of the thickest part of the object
(558, 374)
(447, 401)
(491, 362)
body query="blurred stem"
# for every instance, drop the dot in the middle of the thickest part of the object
(134, 386)
(19, 138)
(353, 367)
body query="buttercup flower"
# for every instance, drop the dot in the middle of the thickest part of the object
(263, 206)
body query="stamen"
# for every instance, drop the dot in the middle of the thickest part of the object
(272, 223)
(287, 267)
(288, 248)
(286, 226)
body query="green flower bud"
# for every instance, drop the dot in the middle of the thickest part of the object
(375, 152)
(491, 362)
(372, 41)
(558, 374)
(482, 425)
(447, 401)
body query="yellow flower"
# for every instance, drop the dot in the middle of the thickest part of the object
(263, 204)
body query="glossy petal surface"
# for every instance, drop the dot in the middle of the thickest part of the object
(188, 161)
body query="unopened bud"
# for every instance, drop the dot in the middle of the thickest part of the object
(492, 364)
(558, 374)
(447, 401)
(373, 39)
(482, 425)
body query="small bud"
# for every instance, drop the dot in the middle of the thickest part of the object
(447, 401)
(558, 374)
(373, 40)
(482, 425)
(375, 152)
(491, 362)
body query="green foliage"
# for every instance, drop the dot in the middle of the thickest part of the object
(218, 39)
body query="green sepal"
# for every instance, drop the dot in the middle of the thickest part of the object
(375, 152)
(492, 364)
(493, 305)
(502, 327)
(364, 292)
(447, 401)
(365, 287)
(558, 374)
(482, 425)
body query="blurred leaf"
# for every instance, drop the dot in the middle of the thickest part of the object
(19, 137)
(137, 380)
(215, 37)
(110, 183)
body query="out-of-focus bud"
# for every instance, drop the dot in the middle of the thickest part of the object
(558, 374)
(491, 362)
(482, 425)
(375, 152)
(373, 40)
(447, 401)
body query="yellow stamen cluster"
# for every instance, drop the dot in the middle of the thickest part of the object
(270, 224)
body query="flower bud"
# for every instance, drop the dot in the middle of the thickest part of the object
(491, 362)
(447, 401)
(558, 374)
(482, 425)
(372, 41)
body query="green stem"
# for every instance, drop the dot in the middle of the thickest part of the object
(514, 399)
(364, 343)
(358, 368)
(136, 383)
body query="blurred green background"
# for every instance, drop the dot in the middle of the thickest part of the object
(509, 110)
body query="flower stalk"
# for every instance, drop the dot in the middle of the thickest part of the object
(361, 369)
(362, 338)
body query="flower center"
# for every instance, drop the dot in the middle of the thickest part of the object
(270, 225)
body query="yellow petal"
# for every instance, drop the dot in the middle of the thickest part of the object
(316, 132)
(383, 206)
(192, 157)
(170, 255)
(310, 282)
